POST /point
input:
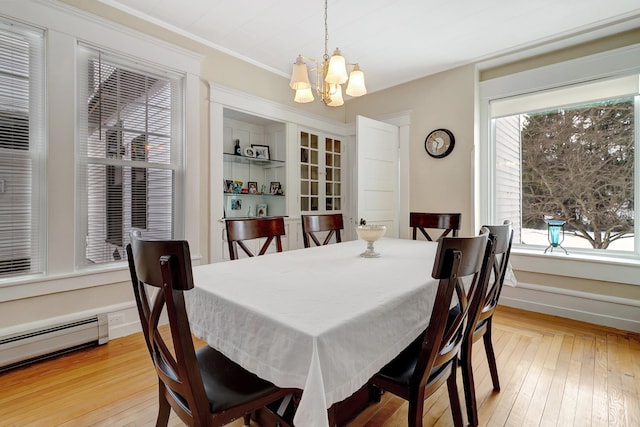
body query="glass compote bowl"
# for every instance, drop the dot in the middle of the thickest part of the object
(370, 233)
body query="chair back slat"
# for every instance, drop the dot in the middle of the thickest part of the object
(448, 223)
(239, 230)
(312, 224)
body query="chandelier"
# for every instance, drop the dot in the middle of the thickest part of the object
(330, 75)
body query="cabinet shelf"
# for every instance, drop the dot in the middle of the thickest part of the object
(254, 194)
(234, 158)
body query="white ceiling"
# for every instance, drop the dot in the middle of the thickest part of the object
(394, 41)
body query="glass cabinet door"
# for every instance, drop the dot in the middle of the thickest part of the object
(333, 184)
(320, 173)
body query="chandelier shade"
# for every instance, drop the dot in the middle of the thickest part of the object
(336, 97)
(356, 85)
(304, 95)
(337, 73)
(330, 75)
(299, 75)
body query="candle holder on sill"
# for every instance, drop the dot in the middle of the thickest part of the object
(555, 234)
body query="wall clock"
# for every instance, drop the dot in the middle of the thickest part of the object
(439, 143)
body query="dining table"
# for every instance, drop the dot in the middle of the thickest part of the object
(322, 320)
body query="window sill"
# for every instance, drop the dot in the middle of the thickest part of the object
(88, 277)
(592, 267)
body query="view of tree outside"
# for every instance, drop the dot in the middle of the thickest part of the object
(578, 165)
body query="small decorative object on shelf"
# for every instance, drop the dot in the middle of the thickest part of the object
(249, 152)
(237, 149)
(261, 210)
(554, 228)
(370, 233)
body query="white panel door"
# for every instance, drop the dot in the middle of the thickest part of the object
(378, 178)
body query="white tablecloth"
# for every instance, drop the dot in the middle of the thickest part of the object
(322, 319)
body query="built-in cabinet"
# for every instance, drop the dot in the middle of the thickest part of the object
(254, 166)
(253, 187)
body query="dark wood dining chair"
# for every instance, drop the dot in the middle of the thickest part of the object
(241, 229)
(203, 387)
(449, 223)
(312, 224)
(480, 321)
(431, 360)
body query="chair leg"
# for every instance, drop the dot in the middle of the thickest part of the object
(416, 408)
(247, 419)
(454, 399)
(469, 385)
(164, 409)
(491, 358)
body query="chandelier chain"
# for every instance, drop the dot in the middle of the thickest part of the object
(326, 32)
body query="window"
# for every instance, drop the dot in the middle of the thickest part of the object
(320, 173)
(22, 148)
(568, 153)
(131, 152)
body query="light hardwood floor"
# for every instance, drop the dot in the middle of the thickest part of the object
(553, 372)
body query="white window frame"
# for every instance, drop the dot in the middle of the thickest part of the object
(64, 26)
(615, 63)
(90, 238)
(35, 154)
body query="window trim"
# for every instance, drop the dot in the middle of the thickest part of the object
(63, 26)
(611, 64)
(36, 151)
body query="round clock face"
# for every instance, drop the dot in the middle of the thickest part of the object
(439, 143)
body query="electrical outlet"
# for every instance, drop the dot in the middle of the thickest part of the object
(116, 318)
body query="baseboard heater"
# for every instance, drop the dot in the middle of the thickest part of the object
(39, 344)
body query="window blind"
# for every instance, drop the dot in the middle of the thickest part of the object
(130, 152)
(22, 145)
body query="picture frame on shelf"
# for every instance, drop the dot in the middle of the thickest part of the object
(235, 203)
(261, 210)
(261, 151)
(228, 186)
(275, 188)
(253, 187)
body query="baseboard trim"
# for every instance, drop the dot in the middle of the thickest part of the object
(122, 330)
(603, 310)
